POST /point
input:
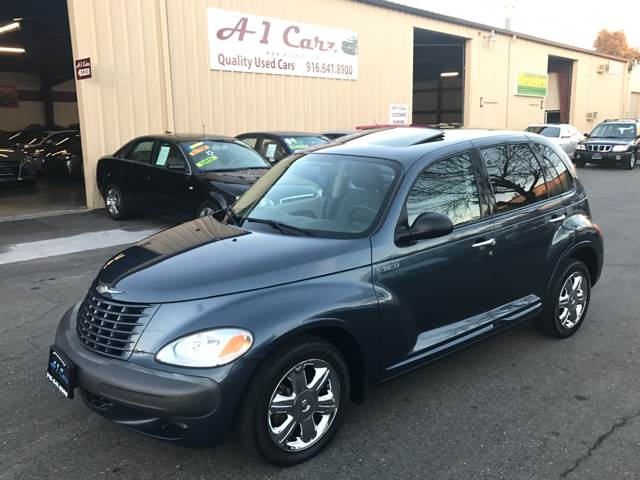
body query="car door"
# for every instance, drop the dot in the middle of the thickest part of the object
(174, 191)
(437, 289)
(135, 168)
(526, 222)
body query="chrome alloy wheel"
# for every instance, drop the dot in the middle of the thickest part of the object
(113, 201)
(573, 300)
(206, 211)
(303, 405)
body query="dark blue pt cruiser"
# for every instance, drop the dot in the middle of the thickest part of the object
(339, 269)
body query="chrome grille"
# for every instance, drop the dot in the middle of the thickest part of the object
(109, 327)
(599, 148)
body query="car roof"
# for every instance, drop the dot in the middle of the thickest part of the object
(281, 133)
(408, 144)
(189, 137)
(548, 125)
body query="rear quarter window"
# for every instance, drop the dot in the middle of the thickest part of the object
(563, 181)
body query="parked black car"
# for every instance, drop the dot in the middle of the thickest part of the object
(612, 142)
(60, 154)
(274, 146)
(338, 269)
(181, 176)
(15, 166)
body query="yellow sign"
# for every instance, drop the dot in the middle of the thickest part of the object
(532, 84)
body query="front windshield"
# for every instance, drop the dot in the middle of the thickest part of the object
(210, 156)
(299, 142)
(323, 195)
(553, 132)
(33, 138)
(615, 130)
(63, 139)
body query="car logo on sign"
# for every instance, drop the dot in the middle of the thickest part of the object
(106, 290)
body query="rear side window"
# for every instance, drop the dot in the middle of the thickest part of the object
(251, 141)
(141, 151)
(563, 181)
(448, 187)
(515, 174)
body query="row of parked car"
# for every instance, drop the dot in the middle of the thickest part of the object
(345, 265)
(27, 153)
(189, 176)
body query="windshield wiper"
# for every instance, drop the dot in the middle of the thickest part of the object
(281, 227)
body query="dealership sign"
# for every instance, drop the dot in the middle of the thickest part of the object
(83, 68)
(240, 42)
(531, 84)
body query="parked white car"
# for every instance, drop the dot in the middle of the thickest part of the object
(564, 135)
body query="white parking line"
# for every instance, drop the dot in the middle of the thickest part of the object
(21, 252)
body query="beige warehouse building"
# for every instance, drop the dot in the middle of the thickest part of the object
(196, 65)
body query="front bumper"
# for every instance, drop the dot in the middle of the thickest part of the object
(604, 157)
(169, 406)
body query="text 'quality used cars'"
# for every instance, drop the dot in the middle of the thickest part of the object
(181, 176)
(340, 268)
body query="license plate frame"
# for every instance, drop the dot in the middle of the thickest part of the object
(596, 156)
(61, 372)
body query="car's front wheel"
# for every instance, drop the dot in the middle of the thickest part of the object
(631, 161)
(567, 301)
(296, 402)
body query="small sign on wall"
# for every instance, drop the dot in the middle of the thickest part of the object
(83, 68)
(9, 96)
(531, 84)
(398, 114)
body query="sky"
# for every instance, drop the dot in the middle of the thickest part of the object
(572, 22)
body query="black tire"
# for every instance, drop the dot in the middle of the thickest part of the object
(203, 208)
(550, 321)
(630, 164)
(122, 211)
(253, 426)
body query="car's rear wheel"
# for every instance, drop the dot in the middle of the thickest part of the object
(567, 301)
(296, 402)
(631, 161)
(117, 206)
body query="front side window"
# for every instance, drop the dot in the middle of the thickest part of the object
(448, 187)
(217, 156)
(272, 150)
(322, 195)
(559, 180)
(170, 157)
(141, 152)
(515, 175)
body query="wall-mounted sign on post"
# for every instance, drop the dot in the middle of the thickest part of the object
(531, 84)
(83, 68)
(398, 114)
(241, 42)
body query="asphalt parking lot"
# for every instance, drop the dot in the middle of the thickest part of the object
(517, 406)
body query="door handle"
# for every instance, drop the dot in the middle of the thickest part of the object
(486, 243)
(557, 219)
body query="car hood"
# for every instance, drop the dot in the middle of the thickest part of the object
(8, 154)
(205, 258)
(234, 183)
(607, 141)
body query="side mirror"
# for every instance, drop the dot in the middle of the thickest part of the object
(427, 225)
(586, 135)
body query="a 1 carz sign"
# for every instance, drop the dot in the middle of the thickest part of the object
(240, 42)
(83, 68)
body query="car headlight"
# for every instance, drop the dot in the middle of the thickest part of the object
(580, 146)
(210, 348)
(620, 148)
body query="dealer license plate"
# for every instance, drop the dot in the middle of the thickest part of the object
(61, 372)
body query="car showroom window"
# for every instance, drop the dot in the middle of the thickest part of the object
(515, 175)
(565, 180)
(448, 187)
(141, 152)
(169, 156)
